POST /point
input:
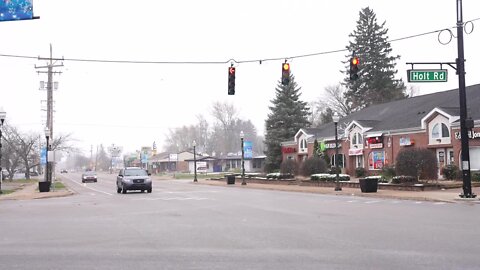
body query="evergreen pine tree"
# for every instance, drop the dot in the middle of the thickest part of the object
(287, 115)
(376, 83)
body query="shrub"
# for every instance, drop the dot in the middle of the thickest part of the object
(403, 179)
(379, 178)
(326, 177)
(289, 166)
(451, 172)
(280, 176)
(475, 176)
(388, 172)
(333, 170)
(313, 165)
(417, 162)
(360, 172)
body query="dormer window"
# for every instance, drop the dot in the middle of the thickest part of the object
(303, 144)
(440, 130)
(357, 139)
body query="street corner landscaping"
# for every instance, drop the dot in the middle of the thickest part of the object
(22, 189)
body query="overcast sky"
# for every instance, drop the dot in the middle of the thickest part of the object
(133, 105)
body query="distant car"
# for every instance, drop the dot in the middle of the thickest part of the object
(133, 178)
(63, 171)
(89, 176)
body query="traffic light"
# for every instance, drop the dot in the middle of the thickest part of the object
(231, 81)
(285, 73)
(354, 68)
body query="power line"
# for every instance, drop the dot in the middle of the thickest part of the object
(230, 60)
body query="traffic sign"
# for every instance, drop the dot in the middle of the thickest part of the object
(427, 75)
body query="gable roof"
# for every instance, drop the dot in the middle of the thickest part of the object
(407, 113)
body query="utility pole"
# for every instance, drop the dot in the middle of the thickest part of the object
(50, 65)
(465, 124)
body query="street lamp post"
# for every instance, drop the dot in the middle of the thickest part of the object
(194, 162)
(336, 118)
(242, 135)
(44, 186)
(47, 167)
(3, 114)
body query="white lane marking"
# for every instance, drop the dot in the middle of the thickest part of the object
(352, 201)
(170, 199)
(85, 186)
(197, 191)
(372, 202)
(395, 202)
(418, 202)
(440, 203)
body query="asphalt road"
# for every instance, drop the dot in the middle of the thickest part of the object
(182, 225)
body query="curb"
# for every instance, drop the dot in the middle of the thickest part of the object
(341, 193)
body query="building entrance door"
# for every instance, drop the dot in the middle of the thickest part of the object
(441, 162)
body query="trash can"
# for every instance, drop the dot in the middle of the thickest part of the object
(231, 179)
(44, 186)
(368, 185)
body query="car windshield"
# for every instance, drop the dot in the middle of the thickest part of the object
(89, 173)
(135, 172)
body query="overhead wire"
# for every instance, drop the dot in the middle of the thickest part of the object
(230, 60)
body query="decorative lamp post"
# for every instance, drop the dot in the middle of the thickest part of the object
(47, 167)
(194, 162)
(242, 136)
(3, 114)
(336, 118)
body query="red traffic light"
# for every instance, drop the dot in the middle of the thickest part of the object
(355, 61)
(231, 70)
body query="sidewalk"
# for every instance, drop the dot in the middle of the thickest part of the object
(448, 195)
(30, 192)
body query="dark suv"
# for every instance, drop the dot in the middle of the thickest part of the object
(133, 178)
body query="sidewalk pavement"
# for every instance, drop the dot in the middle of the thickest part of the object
(447, 195)
(30, 192)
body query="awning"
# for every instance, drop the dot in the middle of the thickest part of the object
(376, 134)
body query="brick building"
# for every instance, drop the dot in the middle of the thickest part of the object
(371, 138)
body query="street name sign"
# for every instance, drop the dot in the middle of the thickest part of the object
(427, 75)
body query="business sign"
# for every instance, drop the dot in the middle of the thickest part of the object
(173, 157)
(13, 10)
(422, 75)
(376, 145)
(471, 134)
(288, 150)
(201, 165)
(355, 152)
(332, 145)
(378, 158)
(247, 149)
(406, 141)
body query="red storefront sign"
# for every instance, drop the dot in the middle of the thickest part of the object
(289, 150)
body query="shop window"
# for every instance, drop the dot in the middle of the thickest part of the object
(376, 159)
(359, 161)
(440, 130)
(341, 161)
(357, 139)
